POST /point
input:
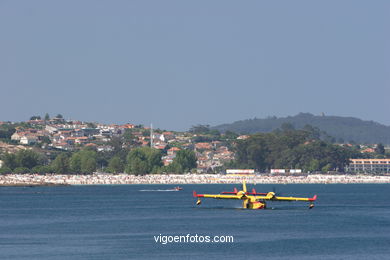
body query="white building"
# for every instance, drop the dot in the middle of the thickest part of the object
(28, 139)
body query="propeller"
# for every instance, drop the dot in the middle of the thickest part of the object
(277, 193)
(242, 193)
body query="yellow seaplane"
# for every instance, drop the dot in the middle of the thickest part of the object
(252, 200)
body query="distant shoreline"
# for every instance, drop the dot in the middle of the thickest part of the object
(115, 179)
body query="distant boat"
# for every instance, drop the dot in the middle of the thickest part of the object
(177, 188)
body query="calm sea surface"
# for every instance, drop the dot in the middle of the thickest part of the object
(120, 222)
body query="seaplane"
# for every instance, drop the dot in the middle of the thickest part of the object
(253, 199)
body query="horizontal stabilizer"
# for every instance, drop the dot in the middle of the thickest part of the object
(257, 193)
(197, 195)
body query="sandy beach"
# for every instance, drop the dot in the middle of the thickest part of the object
(97, 179)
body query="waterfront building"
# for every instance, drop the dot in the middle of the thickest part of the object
(370, 166)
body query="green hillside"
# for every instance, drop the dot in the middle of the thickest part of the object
(343, 129)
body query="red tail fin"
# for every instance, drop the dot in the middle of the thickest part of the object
(314, 198)
(194, 194)
(235, 190)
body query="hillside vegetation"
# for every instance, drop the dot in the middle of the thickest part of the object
(343, 129)
(291, 149)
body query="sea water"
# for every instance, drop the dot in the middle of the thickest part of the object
(123, 221)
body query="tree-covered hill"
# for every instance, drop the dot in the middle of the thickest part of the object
(343, 129)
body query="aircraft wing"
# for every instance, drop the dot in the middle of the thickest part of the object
(217, 196)
(279, 198)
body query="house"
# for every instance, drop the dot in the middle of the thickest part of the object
(91, 145)
(28, 139)
(158, 137)
(65, 133)
(70, 140)
(105, 148)
(81, 140)
(56, 138)
(37, 122)
(203, 146)
(368, 150)
(63, 146)
(17, 135)
(160, 146)
(167, 160)
(77, 133)
(216, 144)
(173, 150)
(128, 126)
(51, 129)
(168, 136)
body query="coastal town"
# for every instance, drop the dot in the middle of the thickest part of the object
(57, 134)
(213, 154)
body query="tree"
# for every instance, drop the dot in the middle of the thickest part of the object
(184, 161)
(41, 169)
(21, 170)
(9, 161)
(314, 132)
(116, 165)
(143, 160)
(313, 166)
(28, 159)
(326, 168)
(138, 166)
(91, 125)
(251, 153)
(5, 170)
(287, 127)
(59, 116)
(75, 163)
(35, 118)
(47, 117)
(174, 168)
(117, 143)
(128, 137)
(380, 149)
(84, 161)
(230, 135)
(88, 164)
(61, 163)
(6, 131)
(46, 140)
(200, 129)
(145, 132)
(291, 149)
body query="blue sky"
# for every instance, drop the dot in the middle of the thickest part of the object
(181, 63)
